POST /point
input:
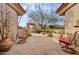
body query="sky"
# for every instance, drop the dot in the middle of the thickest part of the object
(25, 19)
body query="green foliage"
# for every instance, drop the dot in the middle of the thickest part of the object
(56, 27)
(50, 34)
(38, 31)
(28, 34)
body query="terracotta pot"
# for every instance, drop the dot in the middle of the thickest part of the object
(6, 45)
(24, 38)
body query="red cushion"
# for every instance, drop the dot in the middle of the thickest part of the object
(65, 40)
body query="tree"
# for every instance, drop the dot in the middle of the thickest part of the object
(43, 17)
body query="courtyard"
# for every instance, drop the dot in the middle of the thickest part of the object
(40, 28)
(37, 45)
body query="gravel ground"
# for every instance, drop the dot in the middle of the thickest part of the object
(36, 45)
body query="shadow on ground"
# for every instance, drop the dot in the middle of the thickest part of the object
(71, 51)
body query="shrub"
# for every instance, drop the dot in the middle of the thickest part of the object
(28, 34)
(50, 34)
(38, 31)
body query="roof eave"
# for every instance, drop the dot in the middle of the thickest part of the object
(17, 7)
(64, 7)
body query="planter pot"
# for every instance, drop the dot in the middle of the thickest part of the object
(6, 45)
(23, 40)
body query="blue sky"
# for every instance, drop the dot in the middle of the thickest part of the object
(25, 19)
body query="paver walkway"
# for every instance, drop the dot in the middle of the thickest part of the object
(37, 45)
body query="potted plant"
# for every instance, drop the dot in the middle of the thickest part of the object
(5, 41)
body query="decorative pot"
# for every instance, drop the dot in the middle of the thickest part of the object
(22, 40)
(5, 45)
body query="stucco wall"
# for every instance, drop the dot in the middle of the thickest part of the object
(13, 21)
(72, 19)
(31, 27)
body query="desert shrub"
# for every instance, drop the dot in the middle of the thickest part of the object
(38, 31)
(50, 34)
(28, 34)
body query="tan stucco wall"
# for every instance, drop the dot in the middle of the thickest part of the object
(71, 19)
(13, 21)
(31, 27)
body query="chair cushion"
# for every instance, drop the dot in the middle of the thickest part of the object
(65, 40)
